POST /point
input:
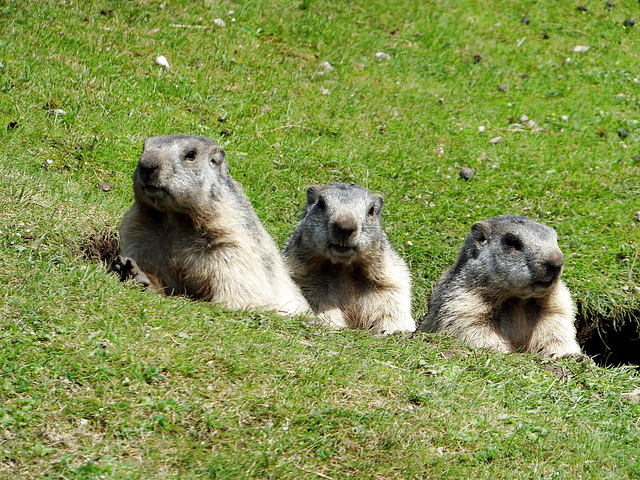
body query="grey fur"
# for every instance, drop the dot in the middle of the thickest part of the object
(505, 293)
(342, 260)
(192, 231)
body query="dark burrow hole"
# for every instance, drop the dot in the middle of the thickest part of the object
(610, 343)
(101, 246)
(607, 344)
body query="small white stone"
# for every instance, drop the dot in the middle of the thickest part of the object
(632, 397)
(580, 48)
(59, 111)
(564, 118)
(162, 61)
(524, 119)
(381, 56)
(326, 66)
(324, 91)
(220, 22)
(410, 243)
(495, 140)
(481, 129)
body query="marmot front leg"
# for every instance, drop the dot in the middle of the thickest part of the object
(553, 337)
(394, 317)
(482, 335)
(331, 318)
(127, 269)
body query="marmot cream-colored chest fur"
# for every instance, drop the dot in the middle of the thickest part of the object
(192, 231)
(504, 291)
(342, 260)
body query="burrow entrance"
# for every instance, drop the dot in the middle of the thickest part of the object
(606, 344)
(609, 345)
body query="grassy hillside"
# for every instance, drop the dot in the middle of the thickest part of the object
(105, 380)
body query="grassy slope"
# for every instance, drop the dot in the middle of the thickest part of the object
(104, 379)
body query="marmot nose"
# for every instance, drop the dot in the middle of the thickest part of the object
(344, 226)
(145, 172)
(554, 263)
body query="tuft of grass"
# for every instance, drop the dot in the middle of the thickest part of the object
(105, 380)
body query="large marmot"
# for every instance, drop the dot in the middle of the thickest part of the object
(192, 231)
(343, 262)
(504, 291)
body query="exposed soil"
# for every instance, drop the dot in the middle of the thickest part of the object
(102, 246)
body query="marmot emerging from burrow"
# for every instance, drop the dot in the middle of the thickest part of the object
(192, 231)
(343, 262)
(504, 291)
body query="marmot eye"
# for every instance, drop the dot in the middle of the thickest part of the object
(320, 204)
(191, 155)
(372, 210)
(512, 241)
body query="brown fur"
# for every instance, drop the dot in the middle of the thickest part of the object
(341, 259)
(504, 291)
(192, 231)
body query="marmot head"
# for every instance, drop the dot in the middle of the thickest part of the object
(342, 221)
(514, 255)
(179, 172)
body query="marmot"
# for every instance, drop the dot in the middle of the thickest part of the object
(342, 260)
(192, 231)
(504, 292)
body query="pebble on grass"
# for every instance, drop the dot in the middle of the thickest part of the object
(162, 61)
(325, 67)
(525, 20)
(580, 48)
(105, 186)
(628, 23)
(623, 133)
(503, 87)
(632, 397)
(495, 140)
(466, 173)
(381, 56)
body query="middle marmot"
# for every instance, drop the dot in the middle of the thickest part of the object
(344, 264)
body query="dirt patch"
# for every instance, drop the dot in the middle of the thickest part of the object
(610, 342)
(101, 246)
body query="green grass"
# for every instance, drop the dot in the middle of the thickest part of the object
(105, 380)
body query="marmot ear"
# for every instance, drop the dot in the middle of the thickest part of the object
(378, 203)
(217, 155)
(313, 192)
(480, 231)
